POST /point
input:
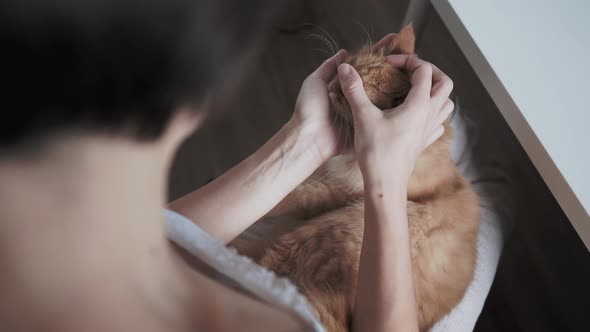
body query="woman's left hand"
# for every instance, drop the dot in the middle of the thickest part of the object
(312, 115)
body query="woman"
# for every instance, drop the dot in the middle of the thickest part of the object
(100, 96)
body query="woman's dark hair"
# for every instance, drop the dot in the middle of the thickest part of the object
(113, 66)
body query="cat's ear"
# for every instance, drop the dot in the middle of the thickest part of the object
(385, 42)
(403, 42)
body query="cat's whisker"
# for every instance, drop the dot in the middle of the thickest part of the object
(323, 51)
(340, 128)
(334, 43)
(345, 128)
(369, 39)
(328, 38)
(334, 119)
(329, 171)
(320, 37)
(334, 123)
(323, 39)
(345, 132)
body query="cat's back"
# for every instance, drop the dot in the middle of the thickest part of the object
(321, 257)
(443, 236)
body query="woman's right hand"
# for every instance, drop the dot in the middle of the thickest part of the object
(387, 143)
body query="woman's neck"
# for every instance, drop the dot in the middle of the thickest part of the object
(81, 239)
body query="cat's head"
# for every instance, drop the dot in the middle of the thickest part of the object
(385, 85)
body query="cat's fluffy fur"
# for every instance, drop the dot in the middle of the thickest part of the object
(316, 235)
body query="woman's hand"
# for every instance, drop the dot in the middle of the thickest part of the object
(312, 115)
(389, 142)
(278, 167)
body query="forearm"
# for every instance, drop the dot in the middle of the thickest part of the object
(385, 292)
(234, 201)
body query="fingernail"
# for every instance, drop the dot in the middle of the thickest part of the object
(344, 70)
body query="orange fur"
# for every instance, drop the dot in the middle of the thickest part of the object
(317, 239)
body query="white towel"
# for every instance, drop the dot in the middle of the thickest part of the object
(261, 282)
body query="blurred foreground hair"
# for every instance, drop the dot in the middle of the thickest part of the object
(116, 67)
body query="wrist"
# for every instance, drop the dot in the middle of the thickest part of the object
(379, 175)
(392, 187)
(386, 168)
(312, 138)
(299, 143)
(385, 207)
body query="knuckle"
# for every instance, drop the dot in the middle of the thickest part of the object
(449, 82)
(415, 61)
(451, 104)
(326, 63)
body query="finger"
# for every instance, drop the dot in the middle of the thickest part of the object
(352, 87)
(327, 69)
(421, 84)
(400, 60)
(442, 86)
(435, 136)
(411, 62)
(444, 113)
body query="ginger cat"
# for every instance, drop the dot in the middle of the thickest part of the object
(315, 234)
